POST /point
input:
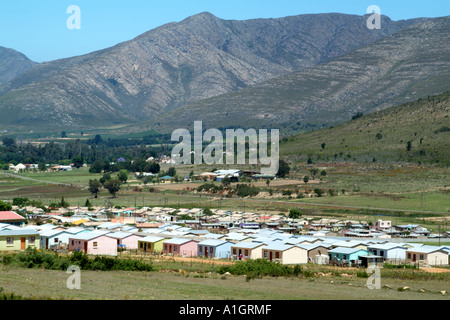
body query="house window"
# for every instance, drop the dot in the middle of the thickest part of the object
(165, 247)
(344, 257)
(211, 250)
(422, 257)
(201, 248)
(72, 242)
(56, 240)
(234, 251)
(9, 241)
(246, 253)
(95, 245)
(175, 248)
(265, 254)
(31, 240)
(277, 255)
(409, 255)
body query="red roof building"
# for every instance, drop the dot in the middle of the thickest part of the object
(10, 217)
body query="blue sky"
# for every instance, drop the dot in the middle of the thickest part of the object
(38, 28)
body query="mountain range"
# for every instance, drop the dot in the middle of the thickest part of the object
(12, 64)
(296, 72)
(177, 65)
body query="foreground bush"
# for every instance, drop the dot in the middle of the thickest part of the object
(33, 258)
(261, 267)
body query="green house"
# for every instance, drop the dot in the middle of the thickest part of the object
(18, 240)
(346, 255)
(151, 244)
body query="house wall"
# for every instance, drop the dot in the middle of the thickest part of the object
(255, 253)
(437, 259)
(105, 246)
(317, 251)
(17, 245)
(189, 249)
(131, 242)
(152, 247)
(222, 251)
(294, 255)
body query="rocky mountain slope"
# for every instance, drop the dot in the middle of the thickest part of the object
(403, 67)
(176, 65)
(12, 64)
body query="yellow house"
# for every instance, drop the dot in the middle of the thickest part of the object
(18, 240)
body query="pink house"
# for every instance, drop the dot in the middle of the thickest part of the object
(93, 243)
(126, 240)
(180, 247)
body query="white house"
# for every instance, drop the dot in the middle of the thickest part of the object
(428, 255)
(389, 251)
(285, 254)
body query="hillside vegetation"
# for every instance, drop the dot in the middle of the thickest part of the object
(412, 132)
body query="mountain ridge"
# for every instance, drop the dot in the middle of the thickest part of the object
(176, 64)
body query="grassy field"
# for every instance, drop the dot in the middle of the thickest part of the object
(172, 285)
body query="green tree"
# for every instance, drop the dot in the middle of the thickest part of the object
(113, 186)
(172, 172)
(305, 179)
(94, 187)
(409, 146)
(5, 206)
(122, 175)
(323, 173)
(106, 177)
(295, 214)
(42, 167)
(96, 167)
(78, 161)
(314, 172)
(283, 169)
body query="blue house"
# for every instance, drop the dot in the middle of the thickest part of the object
(212, 248)
(343, 255)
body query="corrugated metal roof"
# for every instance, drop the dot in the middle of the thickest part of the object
(247, 245)
(212, 242)
(278, 246)
(345, 250)
(178, 241)
(152, 239)
(19, 232)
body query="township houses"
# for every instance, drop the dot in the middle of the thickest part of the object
(389, 251)
(93, 243)
(247, 250)
(317, 253)
(344, 255)
(180, 247)
(428, 255)
(18, 239)
(212, 248)
(126, 240)
(285, 253)
(58, 237)
(151, 244)
(12, 218)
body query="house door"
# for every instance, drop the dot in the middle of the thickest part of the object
(46, 244)
(170, 248)
(22, 243)
(414, 257)
(270, 255)
(85, 247)
(206, 252)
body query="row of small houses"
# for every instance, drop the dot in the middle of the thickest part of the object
(272, 245)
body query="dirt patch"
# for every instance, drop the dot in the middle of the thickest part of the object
(435, 270)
